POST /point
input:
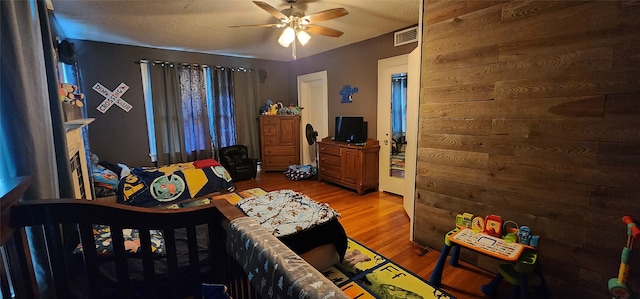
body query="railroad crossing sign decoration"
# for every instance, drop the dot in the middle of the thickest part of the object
(112, 97)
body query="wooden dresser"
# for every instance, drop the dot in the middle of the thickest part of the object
(279, 141)
(349, 165)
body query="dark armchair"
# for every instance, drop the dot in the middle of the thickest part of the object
(236, 160)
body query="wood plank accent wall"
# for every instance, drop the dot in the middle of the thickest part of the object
(531, 110)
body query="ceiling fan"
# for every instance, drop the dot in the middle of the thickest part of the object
(297, 24)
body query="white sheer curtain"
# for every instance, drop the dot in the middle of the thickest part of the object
(222, 107)
(194, 110)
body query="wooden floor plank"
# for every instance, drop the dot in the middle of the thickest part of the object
(378, 220)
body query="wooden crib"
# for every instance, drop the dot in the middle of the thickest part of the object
(67, 238)
(59, 221)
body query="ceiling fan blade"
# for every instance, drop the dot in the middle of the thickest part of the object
(272, 10)
(326, 15)
(315, 29)
(279, 25)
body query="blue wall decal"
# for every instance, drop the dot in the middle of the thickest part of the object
(346, 92)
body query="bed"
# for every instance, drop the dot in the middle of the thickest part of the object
(193, 258)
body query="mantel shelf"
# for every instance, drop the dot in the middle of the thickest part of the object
(77, 123)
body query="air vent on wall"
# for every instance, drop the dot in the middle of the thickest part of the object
(405, 36)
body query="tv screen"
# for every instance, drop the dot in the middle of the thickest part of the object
(350, 129)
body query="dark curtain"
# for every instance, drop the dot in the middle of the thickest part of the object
(247, 105)
(194, 108)
(222, 108)
(168, 115)
(31, 118)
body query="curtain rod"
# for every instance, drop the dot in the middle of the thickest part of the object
(244, 69)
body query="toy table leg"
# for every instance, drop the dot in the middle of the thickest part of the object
(524, 286)
(544, 292)
(436, 275)
(455, 254)
(491, 289)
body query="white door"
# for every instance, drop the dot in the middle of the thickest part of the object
(392, 103)
(411, 150)
(313, 97)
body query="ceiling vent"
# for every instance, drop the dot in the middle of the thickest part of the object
(405, 36)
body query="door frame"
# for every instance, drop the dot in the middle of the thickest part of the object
(319, 110)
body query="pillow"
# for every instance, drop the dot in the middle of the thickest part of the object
(205, 163)
(104, 177)
(102, 234)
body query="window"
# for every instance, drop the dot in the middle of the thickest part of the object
(178, 127)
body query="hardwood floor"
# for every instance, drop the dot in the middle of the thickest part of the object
(378, 220)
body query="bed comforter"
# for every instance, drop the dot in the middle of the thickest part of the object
(153, 187)
(297, 220)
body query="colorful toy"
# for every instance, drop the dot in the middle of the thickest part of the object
(477, 224)
(493, 226)
(524, 235)
(464, 220)
(67, 93)
(617, 286)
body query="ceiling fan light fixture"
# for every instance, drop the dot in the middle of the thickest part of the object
(303, 37)
(287, 37)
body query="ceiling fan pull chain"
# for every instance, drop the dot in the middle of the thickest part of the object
(293, 49)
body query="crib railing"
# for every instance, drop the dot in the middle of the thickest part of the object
(59, 220)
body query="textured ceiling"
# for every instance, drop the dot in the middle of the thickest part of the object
(203, 25)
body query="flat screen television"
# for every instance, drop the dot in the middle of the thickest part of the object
(351, 129)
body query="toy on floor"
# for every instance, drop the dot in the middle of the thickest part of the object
(617, 286)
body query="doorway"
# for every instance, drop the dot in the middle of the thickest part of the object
(392, 122)
(313, 97)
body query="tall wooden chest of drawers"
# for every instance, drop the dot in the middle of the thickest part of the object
(280, 141)
(349, 165)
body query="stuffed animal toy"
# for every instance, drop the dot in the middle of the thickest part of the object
(290, 110)
(67, 94)
(266, 109)
(274, 108)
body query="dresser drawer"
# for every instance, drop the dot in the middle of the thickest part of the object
(331, 171)
(329, 159)
(269, 140)
(329, 149)
(269, 120)
(280, 150)
(270, 130)
(279, 162)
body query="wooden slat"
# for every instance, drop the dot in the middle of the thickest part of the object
(459, 93)
(566, 21)
(576, 85)
(464, 58)
(87, 238)
(172, 259)
(563, 107)
(625, 105)
(480, 127)
(619, 154)
(462, 23)
(147, 263)
(516, 10)
(614, 130)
